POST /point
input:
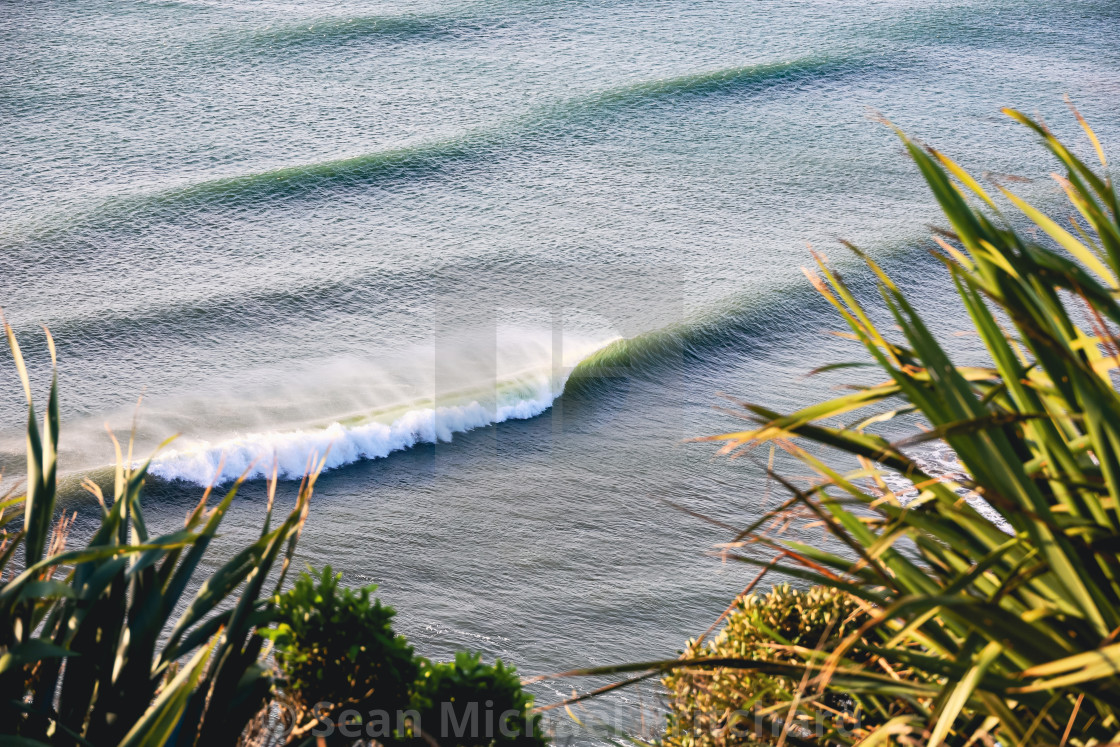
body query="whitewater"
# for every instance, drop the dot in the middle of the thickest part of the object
(292, 454)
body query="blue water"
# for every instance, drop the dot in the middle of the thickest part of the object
(497, 256)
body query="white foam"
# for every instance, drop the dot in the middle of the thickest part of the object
(341, 444)
(517, 396)
(941, 462)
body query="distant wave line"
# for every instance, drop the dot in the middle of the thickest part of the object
(478, 146)
(433, 155)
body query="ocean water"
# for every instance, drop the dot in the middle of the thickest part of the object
(494, 260)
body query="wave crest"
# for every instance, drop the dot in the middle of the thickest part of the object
(255, 454)
(513, 394)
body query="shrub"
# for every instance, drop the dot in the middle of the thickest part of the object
(990, 593)
(475, 704)
(92, 653)
(716, 707)
(344, 674)
(334, 645)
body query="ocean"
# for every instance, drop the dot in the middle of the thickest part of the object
(493, 261)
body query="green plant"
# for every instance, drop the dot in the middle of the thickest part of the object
(332, 645)
(714, 707)
(343, 671)
(980, 630)
(1013, 633)
(92, 651)
(467, 702)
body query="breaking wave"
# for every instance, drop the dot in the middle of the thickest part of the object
(374, 433)
(255, 454)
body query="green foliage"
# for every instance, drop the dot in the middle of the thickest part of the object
(337, 653)
(333, 645)
(488, 698)
(979, 635)
(977, 629)
(715, 707)
(92, 652)
(86, 654)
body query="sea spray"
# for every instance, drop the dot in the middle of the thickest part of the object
(255, 454)
(511, 395)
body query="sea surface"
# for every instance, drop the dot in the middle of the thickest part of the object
(494, 261)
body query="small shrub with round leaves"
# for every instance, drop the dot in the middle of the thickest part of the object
(337, 645)
(469, 703)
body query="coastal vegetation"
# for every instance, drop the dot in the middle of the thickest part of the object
(709, 708)
(123, 642)
(977, 604)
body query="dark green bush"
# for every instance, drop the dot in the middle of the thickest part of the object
(468, 702)
(344, 674)
(336, 645)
